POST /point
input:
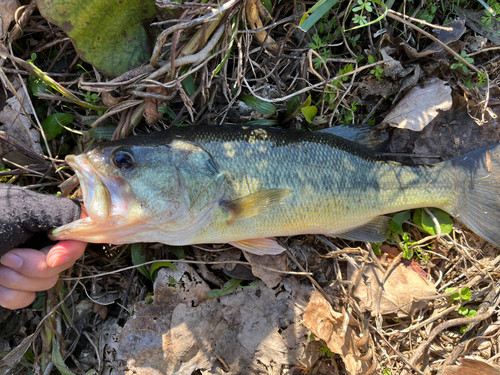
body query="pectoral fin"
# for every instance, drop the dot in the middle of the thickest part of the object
(374, 231)
(259, 246)
(254, 204)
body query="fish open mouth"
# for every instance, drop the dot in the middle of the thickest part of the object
(107, 200)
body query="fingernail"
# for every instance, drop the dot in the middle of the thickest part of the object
(60, 260)
(12, 261)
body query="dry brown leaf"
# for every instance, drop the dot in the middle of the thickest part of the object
(16, 123)
(254, 21)
(420, 106)
(270, 278)
(454, 32)
(401, 290)
(183, 331)
(7, 13)
(326, 324)
(471, 367)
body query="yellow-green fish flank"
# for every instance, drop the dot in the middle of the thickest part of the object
(243, 185)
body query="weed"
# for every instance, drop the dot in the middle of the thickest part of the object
(377, 71)
(228, 288)
(482, 78)
(317, 44)
(359, 18)
(463, 295)
(460, 65)
(488, 17)
(326, 352)
(346, 115)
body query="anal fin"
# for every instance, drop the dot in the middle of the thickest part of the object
(259, 246)
(374, 231)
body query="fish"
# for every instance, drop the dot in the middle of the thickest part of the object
(247, 185)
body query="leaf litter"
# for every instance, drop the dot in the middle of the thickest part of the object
(326, 306)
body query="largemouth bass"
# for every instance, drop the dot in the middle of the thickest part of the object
(244, 185)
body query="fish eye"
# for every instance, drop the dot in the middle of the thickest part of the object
(123, 159)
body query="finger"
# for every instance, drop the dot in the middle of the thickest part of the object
(29, 262)
(14, 299)
(64, 254)
(14, 280)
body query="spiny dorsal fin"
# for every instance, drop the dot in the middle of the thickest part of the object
(254, 204)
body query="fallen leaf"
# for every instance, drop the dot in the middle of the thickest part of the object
(270, 278)
(451, 134)
(401, 291)
(7, 11)
(107, 34)
(420, 106)
(249, 331)
(471, 367)
(453, 32)
(16, 123)
(326, 324)
(474, 21)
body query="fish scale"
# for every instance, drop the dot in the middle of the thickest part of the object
(237, 184)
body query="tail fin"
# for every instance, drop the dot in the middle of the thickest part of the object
(479, 207)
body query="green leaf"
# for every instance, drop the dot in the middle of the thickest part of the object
(455, 296)
(177, 251)
(258, 105)
(214, 293)
(52, 124)
(58, 360)
(309, 112)
(317, 13)
(104, 132)
(465, 294)
(292, 106)
(398, 220)
(463, 310)
(157, 265)
(107, 34)
(230, 286)
(37, 86)
(422, 219)
(268, 5)
(188, 84)
(138, 257)
(263, 122)
(252, 285)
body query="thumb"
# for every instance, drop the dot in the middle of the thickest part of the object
(64, 253)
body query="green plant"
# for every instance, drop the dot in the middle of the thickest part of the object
(463, 295)
(3, 168)
(228, 288)
(326, 352)
(482, 78)
(317, 44)
(425, 221)
(460, 64)
(492, 10)
(346, 115)
(363, 5)
(377, 70)
(386, 371)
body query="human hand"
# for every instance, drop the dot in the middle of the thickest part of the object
(23, 271)
(26, 271)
